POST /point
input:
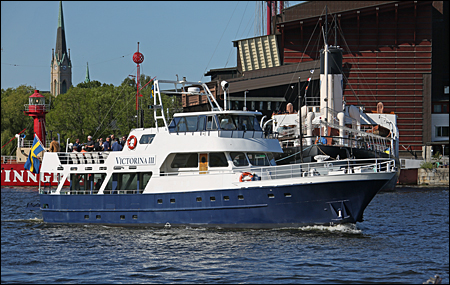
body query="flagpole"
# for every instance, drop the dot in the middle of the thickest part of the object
(300, 120)
(40, 172)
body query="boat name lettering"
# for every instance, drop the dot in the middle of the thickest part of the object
(135, 160)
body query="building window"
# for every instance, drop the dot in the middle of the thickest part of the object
(269, 105)
(437, 108)
(441, 131)
(261, 105)
(253, 105)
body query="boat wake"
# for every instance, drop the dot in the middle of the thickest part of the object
(32, 221)
(345, 228)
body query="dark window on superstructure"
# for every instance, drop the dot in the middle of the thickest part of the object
(211, 124)
(217, 159)
(90, 182)
(239, 159)
(201, 123)
(226, 122)
(191, 123)
(128, 182)
(244, 123)
(258, 159)
(146, 139)
(185, 160)
(181, 126)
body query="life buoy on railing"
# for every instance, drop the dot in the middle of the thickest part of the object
(245, 174)
(131, 142)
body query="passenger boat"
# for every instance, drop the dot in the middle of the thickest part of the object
(209, 169)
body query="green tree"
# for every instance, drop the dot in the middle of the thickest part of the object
(91, 84)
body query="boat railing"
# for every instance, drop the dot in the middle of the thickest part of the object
(378, 145)
(345, 166)
(8, 159)
(325, 168)
(227, 133)
(97, 157)
(240, 134)
(95, 192)
(29, 143)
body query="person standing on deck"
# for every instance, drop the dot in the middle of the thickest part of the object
(90, 144)
(54, 145)
(107, 145)
(116, 145)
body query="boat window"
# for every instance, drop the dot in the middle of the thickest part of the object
(181, 126)
(201, 123)
(127, 183)
(256, 125)
(173, 125)
(211, 123)
(217, 159)
(185, 160)
(244, 123)
(90, 182)
(258, 159)
(271, 159)
(226, 122)
(238, 159)
(191, 123)
(146, 139)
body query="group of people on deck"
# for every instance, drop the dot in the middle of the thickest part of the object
(110, 144)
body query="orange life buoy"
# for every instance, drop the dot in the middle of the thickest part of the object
(131, 142)
(241, 178)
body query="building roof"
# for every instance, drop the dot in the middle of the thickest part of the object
(309, 9)
(275, 76)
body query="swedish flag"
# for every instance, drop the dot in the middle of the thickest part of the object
(33, 162)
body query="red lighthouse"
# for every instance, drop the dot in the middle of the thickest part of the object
(37, 109)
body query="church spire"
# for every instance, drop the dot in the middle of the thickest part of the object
(61, 50)
(61, 70)
(60, 17)
(87, 80)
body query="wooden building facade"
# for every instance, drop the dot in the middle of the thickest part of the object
(395, 52)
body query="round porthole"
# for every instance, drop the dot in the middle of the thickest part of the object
(203, 159)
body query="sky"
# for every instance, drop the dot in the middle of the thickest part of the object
(187, 38)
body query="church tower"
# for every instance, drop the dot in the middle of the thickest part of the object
(61, 69)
